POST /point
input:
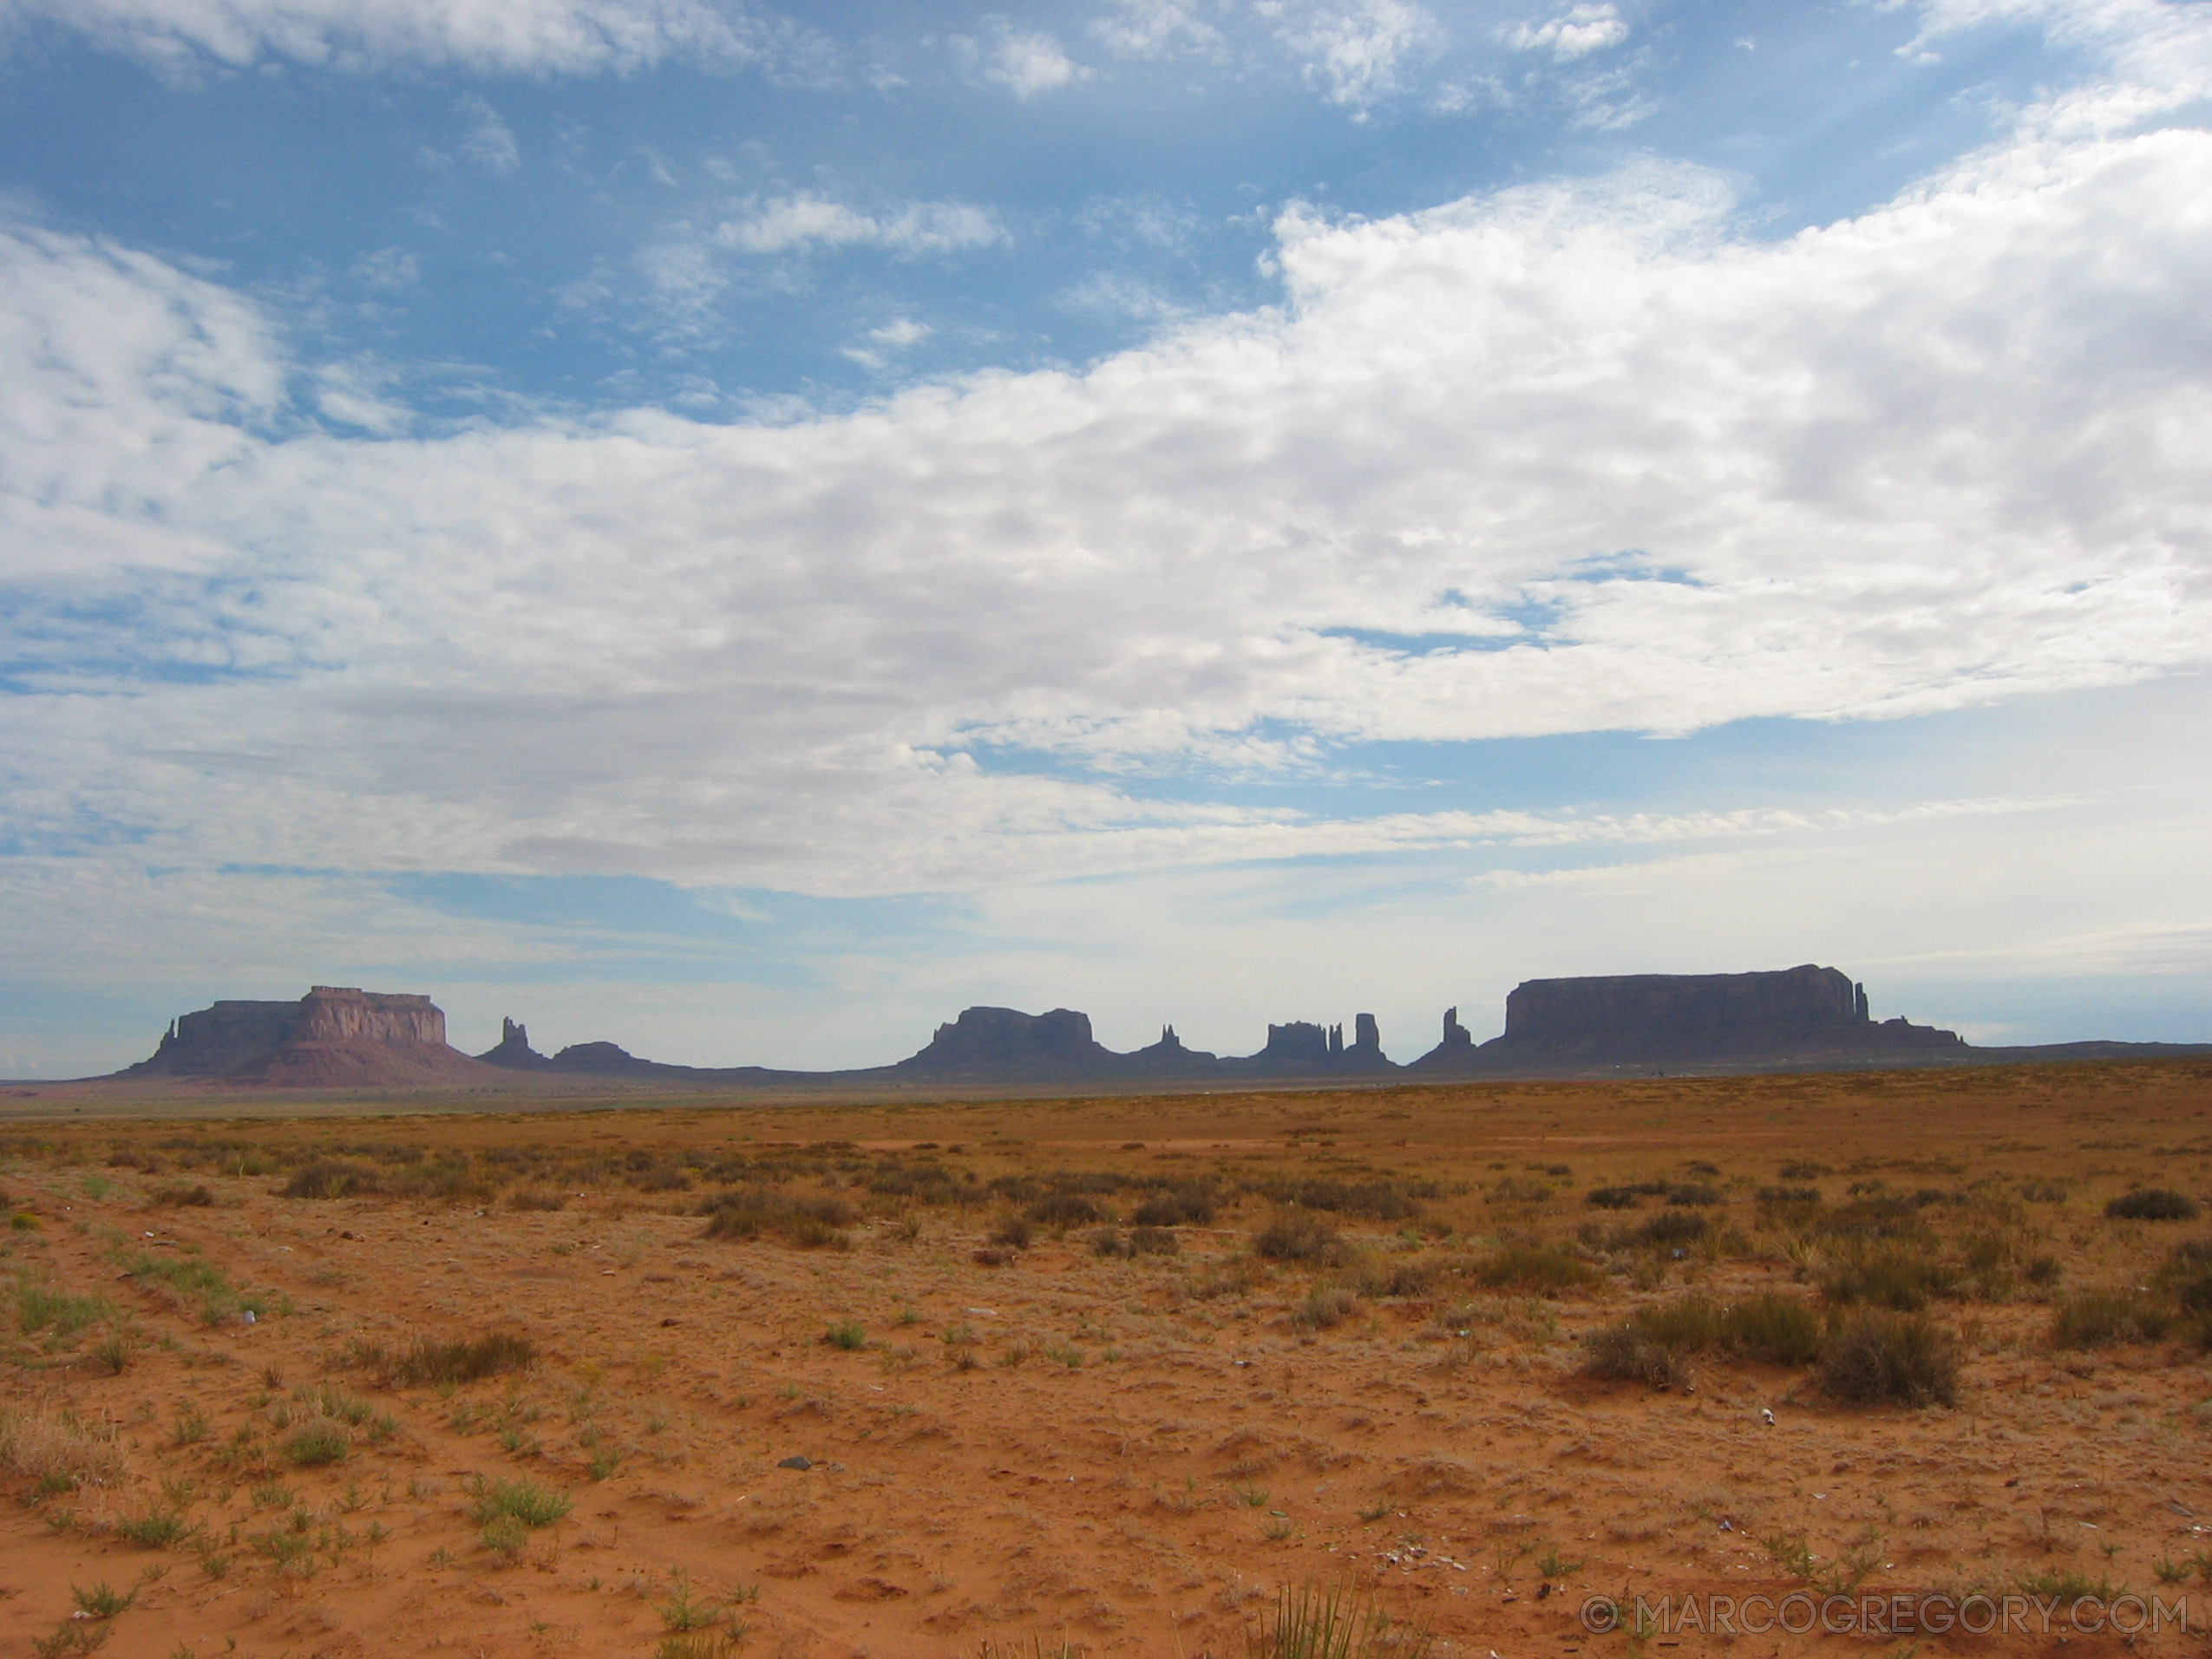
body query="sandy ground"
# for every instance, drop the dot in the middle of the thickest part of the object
(1124, 1455)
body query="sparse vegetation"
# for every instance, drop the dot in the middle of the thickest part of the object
(1881, 1358)
(1335, 1622)
(2152, 1203)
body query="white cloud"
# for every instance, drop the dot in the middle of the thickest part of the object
(559, 36)
(1153, 27)
(799, 224)
(1575, 33)
(387, 268)
(1355, 49)
(1027, 64)
(1645, 474)
(900, 333)
(489, 143)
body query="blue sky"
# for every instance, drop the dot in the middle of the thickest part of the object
(743, 531)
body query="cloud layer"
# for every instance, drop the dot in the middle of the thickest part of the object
(1564, 458)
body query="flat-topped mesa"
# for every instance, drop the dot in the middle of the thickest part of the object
(336, 1034)
(1005, 1041)
(1805, 1012)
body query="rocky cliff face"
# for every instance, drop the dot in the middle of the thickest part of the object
(334, 1036)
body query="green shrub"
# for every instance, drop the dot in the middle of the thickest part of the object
(1774, 1328)
(1622, 1352)
(1308, 1622)
(331, 1178)
(467, 1359)
(2152, 1203)
(846, 1334)
(2102, 1318)
(1875, 1217)
(156, 1530)
(1190, 1206)
(1063, 1210)
(1545, 1268)
(809, 1223)
(1672, 1230)
(1296, 1237)
(1326, 1306)
(318, 1442)
(526, 1501)
(1880, 1358)
(1900, 1278)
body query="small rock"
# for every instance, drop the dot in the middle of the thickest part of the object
(796, 1463)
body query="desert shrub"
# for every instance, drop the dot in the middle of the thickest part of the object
(810, 1223)
(1293, 1237)
(1062, 1210)
(465, 1360)
(2044, 1191)
(1542, 1268)
(1671, 1230)
(1693, 1195)
(1013, 1233)
(846, 1334)
(538, 1198)
(1875, 1217)
(1152, 1241)
(1325, 1306)
(156, 1530)
(1792, 1195)
(1612, 1197)
(505, 1537)
(1777, 1329)
(1772, 1327)
(1900, 1278)
(1880, 1358)
(1401, 1278)
(526, 1501)
(2042, 1272)
(1377, 1200)
(2102, 1318)
(41, 1307)
(1109, 1241)
(1622, 1352)
(1190, 1206)
(331, 1178)
(1803, 1171)
(182, 1195)
(2152, 1203)
(1307, 1623)
(1689, 1325)
(56, 1452)
(318, 1442)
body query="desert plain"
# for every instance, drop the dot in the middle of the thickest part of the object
(690, 1376)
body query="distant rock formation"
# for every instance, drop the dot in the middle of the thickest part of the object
(1803, 1018)
(514, 1052)
(995, 1042)
(335, 1037)
(1797, 1014)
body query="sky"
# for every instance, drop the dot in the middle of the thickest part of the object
(741, 532)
